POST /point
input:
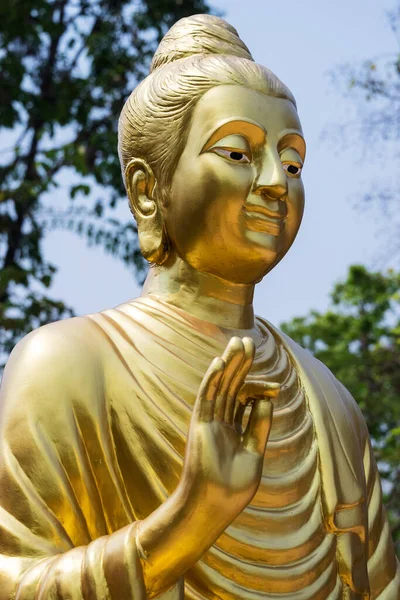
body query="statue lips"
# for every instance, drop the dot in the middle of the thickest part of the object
(265, 220)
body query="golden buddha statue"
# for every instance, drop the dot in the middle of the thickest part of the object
(176, 446)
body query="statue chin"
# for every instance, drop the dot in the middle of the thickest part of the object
(177, 446)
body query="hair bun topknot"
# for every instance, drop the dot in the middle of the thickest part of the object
(199, 34)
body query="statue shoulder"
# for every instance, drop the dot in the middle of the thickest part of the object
(56, 361)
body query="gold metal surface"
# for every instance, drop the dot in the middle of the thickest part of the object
(177, 446)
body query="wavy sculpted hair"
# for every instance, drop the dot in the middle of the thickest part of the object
(197, 54)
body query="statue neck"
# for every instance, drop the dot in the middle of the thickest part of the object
(229, 305)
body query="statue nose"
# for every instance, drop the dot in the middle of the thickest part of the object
(274, 192)
(271, 181)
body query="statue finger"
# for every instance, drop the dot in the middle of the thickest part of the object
(258, 389)
(239, 378)
(233, 358)
(258, 428)
(209, 389)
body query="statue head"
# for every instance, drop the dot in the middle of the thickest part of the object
(211, 151)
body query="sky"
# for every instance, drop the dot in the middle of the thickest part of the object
(301, 42)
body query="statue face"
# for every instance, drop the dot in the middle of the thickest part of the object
(237, 198)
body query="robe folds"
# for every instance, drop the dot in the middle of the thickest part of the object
(94, 414)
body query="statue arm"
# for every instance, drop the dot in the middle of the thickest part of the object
(55, 541)
(108, 569)
(381, 573)
(383, 567)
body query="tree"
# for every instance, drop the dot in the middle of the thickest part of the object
(66, 68)
(359, 340)
(374, 88)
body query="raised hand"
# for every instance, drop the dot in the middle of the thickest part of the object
(223, 462)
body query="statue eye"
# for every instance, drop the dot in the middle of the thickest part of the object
(233, 155)
(293, 170)
(237, 156)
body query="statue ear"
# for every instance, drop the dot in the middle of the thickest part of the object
(145, 206)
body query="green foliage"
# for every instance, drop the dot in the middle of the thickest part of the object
(359, 340)
(66, 68)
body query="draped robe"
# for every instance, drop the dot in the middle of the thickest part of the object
(94, 418)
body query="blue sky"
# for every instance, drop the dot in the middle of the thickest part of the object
(300, 42)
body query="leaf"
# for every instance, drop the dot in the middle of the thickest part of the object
(81, 188)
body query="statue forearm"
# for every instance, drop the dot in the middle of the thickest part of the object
(174, 537)
(119, 566)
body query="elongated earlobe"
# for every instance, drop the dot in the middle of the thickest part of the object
(145, 206)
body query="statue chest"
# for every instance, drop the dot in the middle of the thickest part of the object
(279, 544)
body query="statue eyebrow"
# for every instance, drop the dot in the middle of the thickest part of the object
(252, 131)
(293, 139)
